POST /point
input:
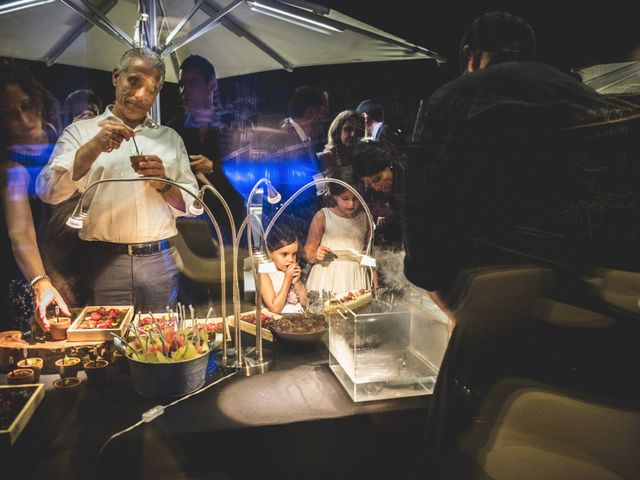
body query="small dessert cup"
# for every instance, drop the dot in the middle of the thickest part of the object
(20, 376)
(58, 327)
(33, 363)
(97, 372)
(67, 388)
(68, 367)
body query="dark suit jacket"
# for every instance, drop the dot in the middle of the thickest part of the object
(214, 146)
(390, 136)
(296, 163)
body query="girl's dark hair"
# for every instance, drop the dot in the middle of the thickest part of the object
(345, 174)
(370, 158)
(281, 236)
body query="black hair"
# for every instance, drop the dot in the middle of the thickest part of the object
(306, 96)
(498, 32)
(78, 100)
(373, 108)
(13, 72)
(344, 174)
(370, 158)
(206, 68)
(281, 235)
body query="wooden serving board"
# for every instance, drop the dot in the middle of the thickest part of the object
(12, 350)
(36, 393)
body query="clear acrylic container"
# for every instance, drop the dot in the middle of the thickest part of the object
(383, 351)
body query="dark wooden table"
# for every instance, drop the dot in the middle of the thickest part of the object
(295, 421)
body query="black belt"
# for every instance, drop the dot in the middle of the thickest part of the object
(137, 249)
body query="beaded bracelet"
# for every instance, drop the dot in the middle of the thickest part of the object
(37, 278)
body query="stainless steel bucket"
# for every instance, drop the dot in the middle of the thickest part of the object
(168, 379)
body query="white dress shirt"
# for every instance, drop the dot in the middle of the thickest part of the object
(119, 212)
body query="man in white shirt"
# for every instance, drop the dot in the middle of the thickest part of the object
(128, 223)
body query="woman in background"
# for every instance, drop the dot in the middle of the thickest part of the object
(25, 146)
(344, 132)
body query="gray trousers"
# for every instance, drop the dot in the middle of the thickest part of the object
(148, 282)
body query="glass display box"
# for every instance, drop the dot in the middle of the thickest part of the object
(388, 349)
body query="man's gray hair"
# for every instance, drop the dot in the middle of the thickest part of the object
(148, 55)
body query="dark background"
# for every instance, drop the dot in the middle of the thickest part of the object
(571, 35)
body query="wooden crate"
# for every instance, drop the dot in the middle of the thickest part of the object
(77, 334)
(18, 419)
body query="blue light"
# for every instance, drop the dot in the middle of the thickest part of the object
(286, 174)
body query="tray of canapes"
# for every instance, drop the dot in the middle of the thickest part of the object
(349, 301)
(248, 322)
(17, 405)
(99, 322)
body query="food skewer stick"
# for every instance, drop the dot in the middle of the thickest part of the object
(135, 332)
(135, 145)
(193, 314)
(159, 328)
(57, 310)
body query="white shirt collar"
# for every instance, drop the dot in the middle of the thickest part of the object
(301, 133)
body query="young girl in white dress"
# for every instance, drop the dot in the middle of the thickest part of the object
(336, 236)
(282, 291)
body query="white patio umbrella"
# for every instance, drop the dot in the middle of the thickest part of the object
(613, 78)
(239, 36)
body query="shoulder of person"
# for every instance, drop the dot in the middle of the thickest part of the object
(176, 122)
(11, 171)
(167, 130)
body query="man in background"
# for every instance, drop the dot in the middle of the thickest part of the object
(81, 105)
(376, 128)
(507, 182)
(206, 139)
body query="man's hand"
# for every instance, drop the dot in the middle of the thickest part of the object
(111, 135)
(201, 164)
(152, 166)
